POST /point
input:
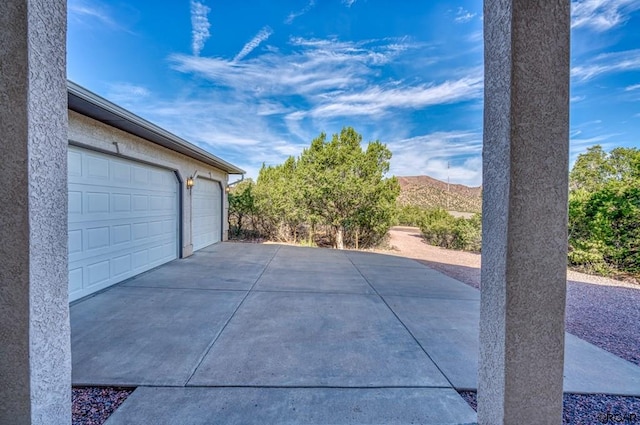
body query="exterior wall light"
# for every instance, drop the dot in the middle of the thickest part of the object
(190, 183)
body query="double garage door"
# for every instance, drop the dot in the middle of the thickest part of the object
(124, 219)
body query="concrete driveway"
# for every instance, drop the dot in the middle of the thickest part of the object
(247, 333)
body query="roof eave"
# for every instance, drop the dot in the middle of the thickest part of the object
(93, 106)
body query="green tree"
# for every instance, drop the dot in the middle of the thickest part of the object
(279, 200)
(604, 211)
(596, 168)
(241, 206)
(591, 169)
(344, 186)
(410, 215)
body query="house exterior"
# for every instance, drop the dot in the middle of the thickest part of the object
(129, 206)
(525, 175)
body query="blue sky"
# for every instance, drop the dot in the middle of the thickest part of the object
(255, 81)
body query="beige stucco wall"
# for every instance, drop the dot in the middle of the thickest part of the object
(89, 133)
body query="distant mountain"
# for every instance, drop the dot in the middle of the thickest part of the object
(427, 192)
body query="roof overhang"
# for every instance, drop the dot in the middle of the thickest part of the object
(93, 106)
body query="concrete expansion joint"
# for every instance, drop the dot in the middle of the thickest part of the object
(206, 351)
(324, 387)
(403, 324)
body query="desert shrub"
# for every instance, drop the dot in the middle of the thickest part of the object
(588, 256)
(441, 229)
(410, 215)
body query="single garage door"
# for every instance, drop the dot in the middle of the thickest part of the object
(123, 219)
(207, 213)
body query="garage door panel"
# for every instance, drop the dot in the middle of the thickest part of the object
(206, 213)
(123, 219)
(75, 280)
(109, 241)
(98, 202)
(75, 202)
(97, 238)
(121, 172)
(98, 167)
(98, 272)
(140, 202)
(140, 259)
(121, 265)
(121, 202)
(75, 241)
(74, 164)
(121, 234)
(102, 272)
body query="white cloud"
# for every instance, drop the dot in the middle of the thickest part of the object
(578, 144)
(476, 37)
(261, 36)
(270, 104)
(93, 10)
(126, 93)
(89, 11)
(348, 3)
(293, 15)
(455, 155)
(577, 98)
(235, 132)
(313, 69)
(463, 16)
(268, 108)
(607, 63)
(333, 77)
(199, 26)
(378, 100)
(632, 87)
(601, 15)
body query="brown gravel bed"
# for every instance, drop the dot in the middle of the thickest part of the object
(580, 409)
(93, 406)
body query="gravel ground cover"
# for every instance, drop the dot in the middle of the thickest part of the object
(92, 406)
(606, 316)
(588, 409)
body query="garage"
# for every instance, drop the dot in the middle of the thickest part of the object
(207, 213)
(123, 219)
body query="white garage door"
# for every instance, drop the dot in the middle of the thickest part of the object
(123, 219)
(207, 213)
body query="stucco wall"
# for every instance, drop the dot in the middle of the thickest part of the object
(89, 133)
(35, 349)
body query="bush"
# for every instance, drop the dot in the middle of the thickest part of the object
(441, 229)
(410, 215)
(604, 211)
(588, 256)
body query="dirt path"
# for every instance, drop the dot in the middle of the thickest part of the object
(465, 266)
(603, 311)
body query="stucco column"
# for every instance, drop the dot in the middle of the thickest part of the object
(35, 353)
(525, 177)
